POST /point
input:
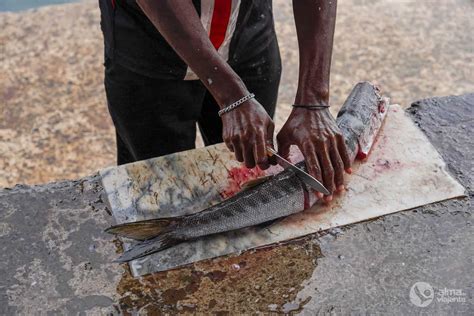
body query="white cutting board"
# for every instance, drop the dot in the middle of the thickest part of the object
(403, 171)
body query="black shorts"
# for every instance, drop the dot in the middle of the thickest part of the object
(155, 117)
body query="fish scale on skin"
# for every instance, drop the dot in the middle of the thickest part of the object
(267, 201)
(283, 194)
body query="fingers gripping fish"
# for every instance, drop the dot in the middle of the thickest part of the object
(284, 194)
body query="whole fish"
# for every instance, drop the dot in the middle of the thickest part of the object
(281, 195)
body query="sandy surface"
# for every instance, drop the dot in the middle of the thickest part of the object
(54, 122)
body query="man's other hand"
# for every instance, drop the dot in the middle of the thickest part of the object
(247, 130)
(319, 138)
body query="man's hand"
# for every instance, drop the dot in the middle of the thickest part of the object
(247, 130)
(318, 137)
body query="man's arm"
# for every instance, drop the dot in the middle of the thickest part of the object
(315, 131)
(247, 128)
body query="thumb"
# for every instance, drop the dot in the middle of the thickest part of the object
(269, 134)
(269, 142)
(283, 144)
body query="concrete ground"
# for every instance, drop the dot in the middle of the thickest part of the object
(55, 257)
(54, 122)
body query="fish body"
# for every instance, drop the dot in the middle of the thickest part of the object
(283, 194)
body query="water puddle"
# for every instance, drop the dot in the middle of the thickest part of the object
(260, 280)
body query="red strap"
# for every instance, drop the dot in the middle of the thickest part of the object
(220, 21)
(113, 3)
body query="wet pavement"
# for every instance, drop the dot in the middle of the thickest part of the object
(54, 256)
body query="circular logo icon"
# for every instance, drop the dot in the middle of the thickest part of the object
(421, 294)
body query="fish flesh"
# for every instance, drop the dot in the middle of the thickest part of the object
(280, 195)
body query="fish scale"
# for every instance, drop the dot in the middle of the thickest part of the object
(283, 194)
(266, 202)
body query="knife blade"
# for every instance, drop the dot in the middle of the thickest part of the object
(304, 176)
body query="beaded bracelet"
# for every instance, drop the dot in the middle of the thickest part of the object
(236, 104)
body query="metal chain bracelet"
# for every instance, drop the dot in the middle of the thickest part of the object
(236, 104)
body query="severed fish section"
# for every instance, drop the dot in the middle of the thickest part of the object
(283, 194)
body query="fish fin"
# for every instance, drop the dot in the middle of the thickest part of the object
(147, 247)
(142, 230)
(254, 182)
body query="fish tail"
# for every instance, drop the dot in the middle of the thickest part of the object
(143, 230)
(147, 247)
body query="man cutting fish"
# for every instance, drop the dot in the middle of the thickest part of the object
(170, 64)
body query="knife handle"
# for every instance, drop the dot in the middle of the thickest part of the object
(271, 155)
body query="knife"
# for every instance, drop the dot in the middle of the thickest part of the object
(304, 176)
